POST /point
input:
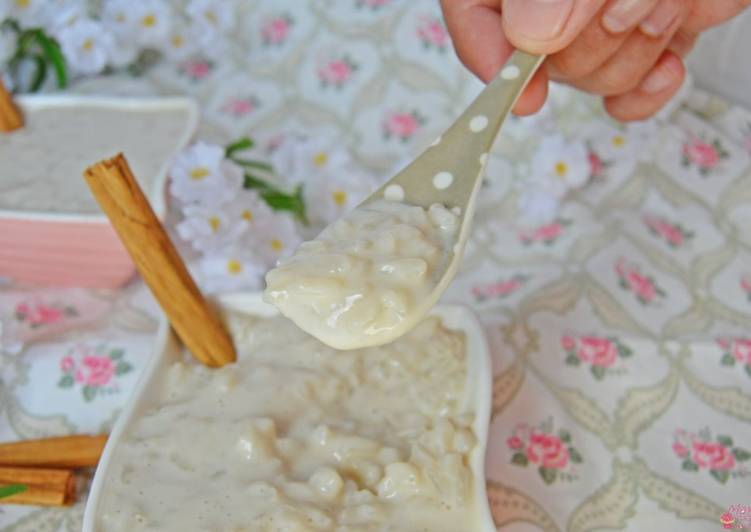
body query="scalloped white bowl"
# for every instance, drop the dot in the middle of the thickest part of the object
(168, 350)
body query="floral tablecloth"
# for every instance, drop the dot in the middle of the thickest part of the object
(620, 325)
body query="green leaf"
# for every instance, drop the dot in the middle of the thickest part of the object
(574, 455)
(548, 474)
(519, 459)
(253, 164)
(122, 368)
(728, 360)
(598, 372)
(40, 74)
(564, 435)
(748, 366)
(720, 475)
(12, 489)
(244, 143)
(276, 198)
(725, 441)
(624, 351)
(66, 381)
(572, 360)
(741, 454)
(53, 54)
(688, 465)
(89, 392)
(117, 353)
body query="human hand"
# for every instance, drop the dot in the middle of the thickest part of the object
(628, 51)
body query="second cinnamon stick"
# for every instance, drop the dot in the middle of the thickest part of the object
(44, 487)
(65, 451)
(10, 115)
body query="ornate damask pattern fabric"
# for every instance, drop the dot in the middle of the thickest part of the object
(621, 331)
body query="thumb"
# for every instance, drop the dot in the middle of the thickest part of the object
(546, 26)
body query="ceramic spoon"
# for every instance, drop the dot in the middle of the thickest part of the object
(448, 173)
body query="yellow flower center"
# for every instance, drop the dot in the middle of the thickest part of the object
(340, 197)
(561, 169)
(320, 159)
(148, 21)
(277, 245)
(211, 17)
(247, 215)
(199, 172)
(120, 17)
(234, 267)
(23, 4)
(619, 141)
(215, 223)
(88, 45)
(177, 41)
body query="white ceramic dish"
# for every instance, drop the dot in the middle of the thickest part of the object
(82, 248)
(168, 350)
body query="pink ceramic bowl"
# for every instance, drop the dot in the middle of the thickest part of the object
(82, 249)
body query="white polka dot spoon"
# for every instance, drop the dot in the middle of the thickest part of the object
(450, 171)
(339, 294)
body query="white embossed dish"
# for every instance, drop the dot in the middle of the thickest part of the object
(167, 350)
(51, 229)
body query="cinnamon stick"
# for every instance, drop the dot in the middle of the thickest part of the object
(65, 452)
(124, 203)
(44, 487)
(10, 115)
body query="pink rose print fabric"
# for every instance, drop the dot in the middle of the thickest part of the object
(40, 315)
(433, 34)
(240, 107)
(499, 290)
(546, 234)
(552, 453)
(705, 156)
(336, 72)
(643, 287)
(720, 456)
(673, 234)
(372, 4)
(746, 286)
(196, 69)
(93, 369)
(736, 352)
(599, 353)
(275, 30)
(401, 125)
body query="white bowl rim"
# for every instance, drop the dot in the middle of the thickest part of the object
(457, 317)
(156, 194)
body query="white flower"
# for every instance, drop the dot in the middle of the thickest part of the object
(210, 228)
(201, 174)
(275, 239)
(4, 10)
(611, 143)
(28, 13)
(63, 13)
(117, 17)
(538, 205)
(181, 42)
(123, 54)
(329, 197)
(7, 44)
(218, 14)
(231, 270)
(560, 165)
(85, 46)
(151, 21)
(299, 158)
(249, 207)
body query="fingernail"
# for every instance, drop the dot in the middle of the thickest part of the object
(659, 21)
(624, 15)
(658, 80)
(538, 20)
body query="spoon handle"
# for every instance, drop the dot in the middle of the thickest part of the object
(449, 171)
